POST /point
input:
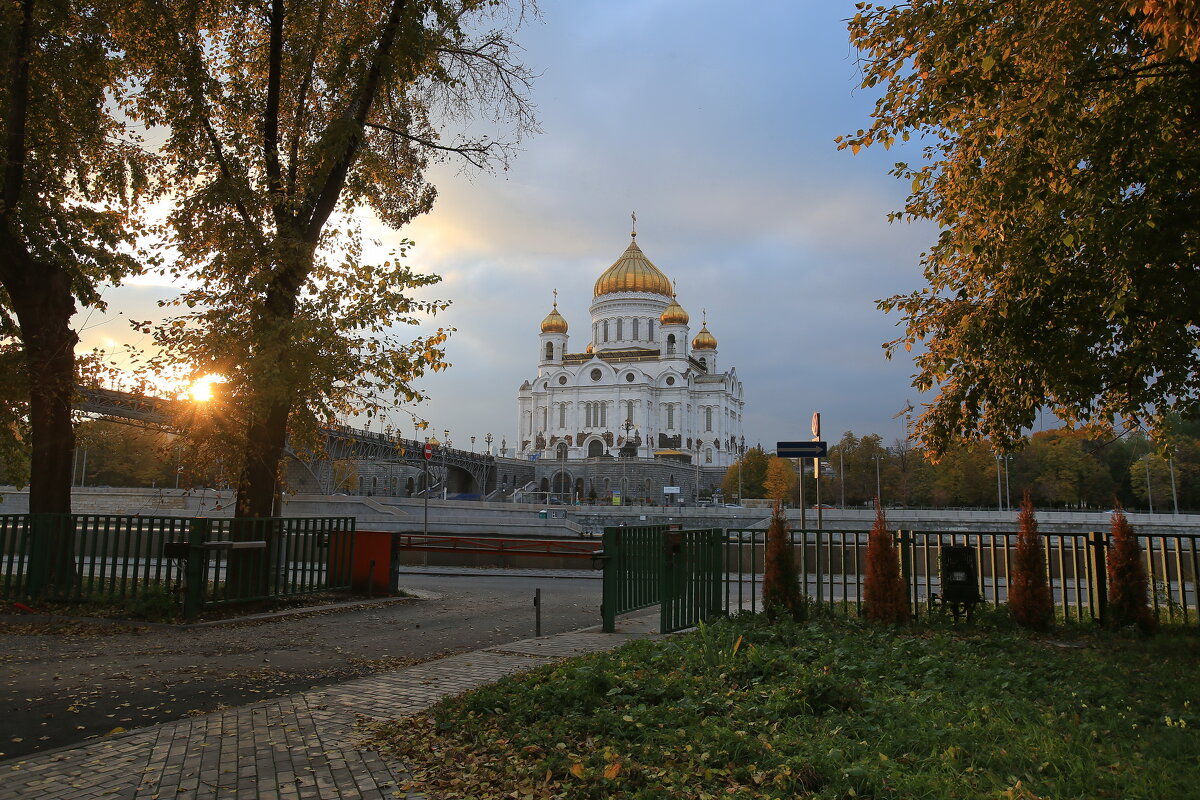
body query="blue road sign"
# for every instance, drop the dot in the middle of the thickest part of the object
(801, 449)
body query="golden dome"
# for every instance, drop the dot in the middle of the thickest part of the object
(633, 272)
(674, 314)
(589, 348)
(704, 340)
(554, 322)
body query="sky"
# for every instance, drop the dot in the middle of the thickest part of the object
(715, 122)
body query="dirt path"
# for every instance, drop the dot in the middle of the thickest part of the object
(63, 684)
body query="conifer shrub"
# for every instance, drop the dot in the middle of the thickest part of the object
(1029, 597)
(781, 585)
(1127, 583)
(884, 594)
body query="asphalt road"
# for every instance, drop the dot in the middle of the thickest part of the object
(63, 683)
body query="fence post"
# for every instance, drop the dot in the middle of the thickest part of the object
(197, 563)
(608, 602)
(1098, 549)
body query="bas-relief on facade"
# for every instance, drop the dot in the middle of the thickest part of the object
(642, 387)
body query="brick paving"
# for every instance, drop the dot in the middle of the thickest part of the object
(290, 748)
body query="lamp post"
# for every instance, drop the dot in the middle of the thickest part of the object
(487, 440)
(445, 475)
(842, 473)
(472, 445)
(1007, 488)
(1149, 494)
(1171, 466)
(425, 493)
(878, 486)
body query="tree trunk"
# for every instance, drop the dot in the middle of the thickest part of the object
(269, 408)
(42, 301)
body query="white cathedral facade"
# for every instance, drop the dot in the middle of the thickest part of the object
(642, 387)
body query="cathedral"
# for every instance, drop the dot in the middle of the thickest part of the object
(645, 411)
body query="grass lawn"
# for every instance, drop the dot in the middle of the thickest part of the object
(831, 709)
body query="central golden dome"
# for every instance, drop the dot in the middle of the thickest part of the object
(633, 272)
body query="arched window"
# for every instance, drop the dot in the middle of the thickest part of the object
(562, 415)
(549, 351)
(708, 455)
(620, 329)
(629, 410)
(604, 415)
(606, 330)
(670, 416)
(708, 419)
(650, 329)
(562, 449)
(635, 327)
(704, 363)
(671, 343)
(595, 448)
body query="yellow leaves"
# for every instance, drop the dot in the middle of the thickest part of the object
(577, 770)
(612, 770)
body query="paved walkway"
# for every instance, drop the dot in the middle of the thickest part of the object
(301, 746)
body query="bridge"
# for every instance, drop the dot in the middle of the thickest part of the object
(468, 472)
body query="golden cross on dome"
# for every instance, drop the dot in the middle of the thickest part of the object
(634, 233)
(704, 316)
(556, 298)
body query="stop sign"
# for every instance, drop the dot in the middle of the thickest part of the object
(428, 451)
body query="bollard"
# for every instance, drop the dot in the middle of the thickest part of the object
(537, 612)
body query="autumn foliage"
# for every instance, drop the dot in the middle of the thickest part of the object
(1029, 596)
(883, 588)
(781, 590)
(1127, 583)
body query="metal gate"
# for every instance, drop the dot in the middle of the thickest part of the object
(683, 571)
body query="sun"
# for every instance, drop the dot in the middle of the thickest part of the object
(201, 390)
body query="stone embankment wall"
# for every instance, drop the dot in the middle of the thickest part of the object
(467, 518)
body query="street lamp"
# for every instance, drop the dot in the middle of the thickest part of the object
(472, 444)
(1171, 466)
(487, 440)
(999, 497)
(445, 475)
(878, 489)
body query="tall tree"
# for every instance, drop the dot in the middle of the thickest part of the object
(780, 482)
(1061, 162)
(286, 120)
(70, 174)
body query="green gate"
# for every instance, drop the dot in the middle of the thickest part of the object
(683, 571)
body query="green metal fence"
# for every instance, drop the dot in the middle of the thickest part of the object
(111, 558)
(650, 565)
(832, 564)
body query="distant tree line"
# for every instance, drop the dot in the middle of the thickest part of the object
(1061, 468)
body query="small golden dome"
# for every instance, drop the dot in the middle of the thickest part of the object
(633, 272)
(674, 314)
(554, 322)
(704, 340)
(589, 348)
